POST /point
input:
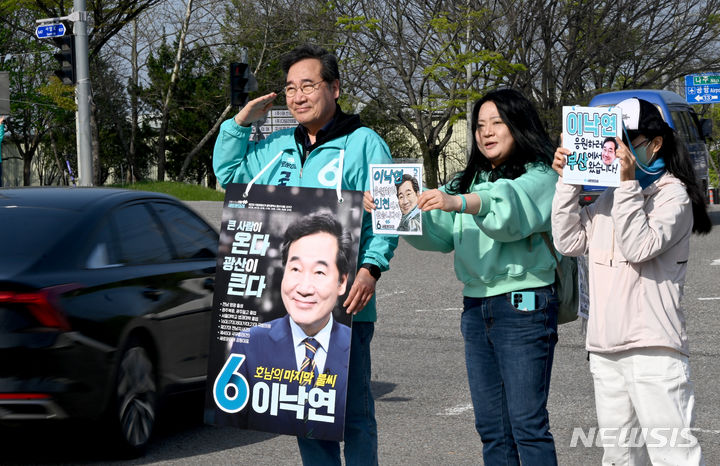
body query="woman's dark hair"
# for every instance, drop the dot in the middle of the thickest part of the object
(411, 179)
(677, 161)
(532, 143)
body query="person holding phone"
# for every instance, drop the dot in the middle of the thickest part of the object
(637, 239)
(492, 215)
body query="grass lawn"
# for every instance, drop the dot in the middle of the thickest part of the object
(183, 191)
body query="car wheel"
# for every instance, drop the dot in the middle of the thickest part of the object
(134, 409)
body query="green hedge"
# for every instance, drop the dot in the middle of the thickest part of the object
(183, 191)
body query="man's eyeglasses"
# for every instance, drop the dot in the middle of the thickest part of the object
(306, 89)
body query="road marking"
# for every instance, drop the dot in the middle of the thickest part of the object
(455, 410)
(434, 310)
(705, 431)
(383, 295)
(709, 299)
(715, 262)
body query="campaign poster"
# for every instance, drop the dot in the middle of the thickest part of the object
(280, 338)
(395, 189)
(589, 133)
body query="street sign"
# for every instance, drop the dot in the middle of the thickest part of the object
(46, 31)
(277, 118)
(702, 88)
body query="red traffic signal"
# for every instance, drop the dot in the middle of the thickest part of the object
(239, 75)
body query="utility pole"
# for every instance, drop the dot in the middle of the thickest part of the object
(82, 79)
(469, 136)
(82, 93)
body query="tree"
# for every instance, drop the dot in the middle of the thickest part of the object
(168, 92)
(39, 105)
(259, 32)
(571, 50)
(196, 27)
(712, 112)
(395, 135)
(197, 98)
(411, 58)
(106, 18)
(200, 98)
(263, 29)
(114, 129)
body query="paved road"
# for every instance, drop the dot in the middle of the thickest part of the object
(419, 379)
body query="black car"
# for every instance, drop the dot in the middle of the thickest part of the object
(105, 302)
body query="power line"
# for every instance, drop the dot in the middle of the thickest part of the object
(37, 103)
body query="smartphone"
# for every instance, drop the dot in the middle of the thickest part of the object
(523, 300)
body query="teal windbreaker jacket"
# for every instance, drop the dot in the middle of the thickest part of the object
(499, 250)
(236, 159)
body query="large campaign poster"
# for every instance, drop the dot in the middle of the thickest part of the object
(590, 134)
(395, 189)
(280, 338)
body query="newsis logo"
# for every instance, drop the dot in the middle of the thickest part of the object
(655, 437)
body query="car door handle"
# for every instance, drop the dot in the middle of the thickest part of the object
(152, 293)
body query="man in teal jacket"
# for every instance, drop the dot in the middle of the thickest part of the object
(333, 150)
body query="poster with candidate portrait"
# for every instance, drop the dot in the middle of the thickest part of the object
(395, 189)
(280, 337)
(589, 133)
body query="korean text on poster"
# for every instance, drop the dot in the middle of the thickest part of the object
(395, 189)
(589, 133)
(280, 338)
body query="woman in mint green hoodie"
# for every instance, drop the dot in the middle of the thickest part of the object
(492, 215)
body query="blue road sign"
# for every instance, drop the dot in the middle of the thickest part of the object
(702, 88)
(50, 30)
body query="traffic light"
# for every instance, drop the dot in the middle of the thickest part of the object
(66, 58)
(4, 93)
(238, 80)
(242, 82)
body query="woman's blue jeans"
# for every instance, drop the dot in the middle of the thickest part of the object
(509, 355)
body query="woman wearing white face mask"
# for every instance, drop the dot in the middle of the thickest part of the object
(637, 238)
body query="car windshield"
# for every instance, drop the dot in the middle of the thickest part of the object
(27, 233)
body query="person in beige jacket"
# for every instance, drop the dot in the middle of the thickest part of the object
(637, 239)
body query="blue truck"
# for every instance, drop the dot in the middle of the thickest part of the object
(679, 115)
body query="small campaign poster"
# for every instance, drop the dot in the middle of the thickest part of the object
(589, 133)
(395, 189)
(280, 338)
